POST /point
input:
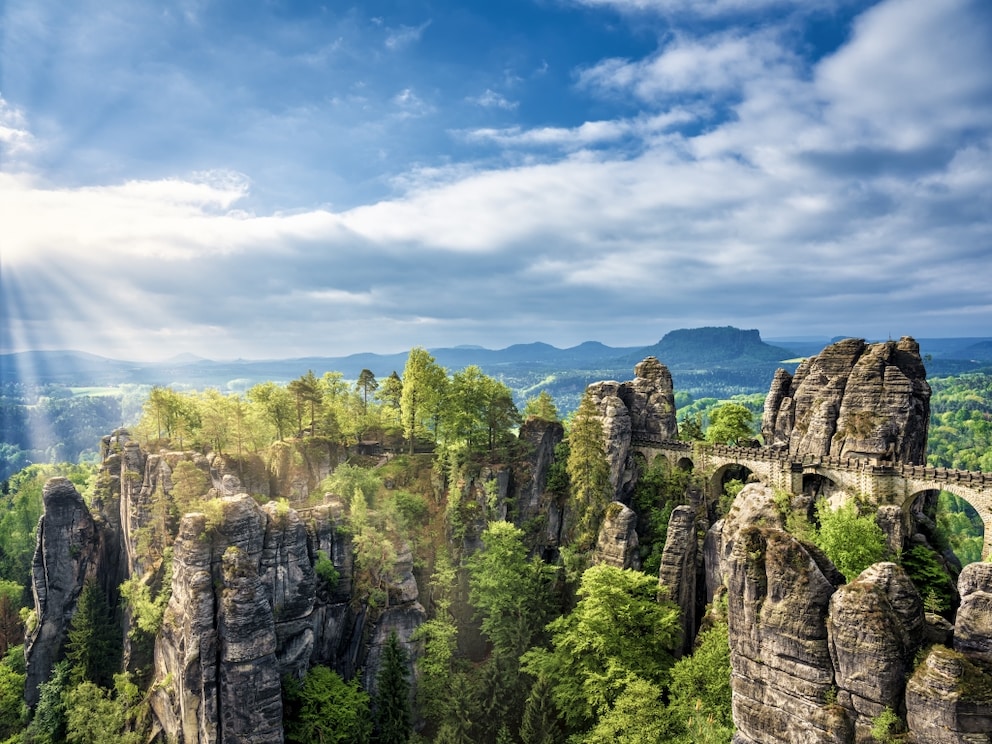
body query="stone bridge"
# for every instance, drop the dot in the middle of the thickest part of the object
(880, 481)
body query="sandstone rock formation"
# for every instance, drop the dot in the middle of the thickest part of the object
(67, 554)
(642, 408)
(617, 543)
(217, 647)
(875, 626)
(677, 576)
(778, 596)
(853, 400)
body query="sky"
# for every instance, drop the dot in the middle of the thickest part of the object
(270, 179)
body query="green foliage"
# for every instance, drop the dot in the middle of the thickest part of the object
(424, 388)
(93, 649)
(325, 570)
(347, 480)
(13, 711)
(21, 507)
(439, 637)
(325, 708)
(588, 474)
(886, 725)
(147, 610)
(412, 507)
(509, 591)
(960, 525)
(392, 709)
(540, 723)
(700, 690)
(658, 491)
(479, 411)
(49, 723)
(851, 541)
(960, 434)
(930, 578)
(93, 716)
(638, 716)
(541, 407)
(617, 632)
(730, 423)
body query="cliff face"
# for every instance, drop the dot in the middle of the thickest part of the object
(642, 408)
(69, 552)
(246, 608)
(852, 400)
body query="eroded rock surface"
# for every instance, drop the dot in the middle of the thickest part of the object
(677, 576)
(853, 400)
(67, 554)
(617, 543)
(642, 408)
(875, 627)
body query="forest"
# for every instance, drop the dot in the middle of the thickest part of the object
(521, 644)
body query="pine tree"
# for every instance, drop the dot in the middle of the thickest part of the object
(540, 722)
(588, 473)
(393, 701)
(94, 647)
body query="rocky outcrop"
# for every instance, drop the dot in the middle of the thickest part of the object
(650, 399)
(614, 417)
(973, 624)
(853, 400)
(949, 700)
(779, 593)
(531, 475)
(238, 620)
(875, 627)
(68, 553)
(642, 408)
(949, 696)
(617, 542)
(677, 576)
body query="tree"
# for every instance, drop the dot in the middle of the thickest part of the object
(618, 632)
(730, 423)
(276, 405)
(325, 708)
(391, 391)
(540, 723)
(309, 395)
(541, 407)
(851, 541)
(366, 384)
(94, 717)
(12, 707)
(479, 410)
(393, 717)
(700, 691)
(508, 590)
(94, 645)
(49, 723)
(424, 383)
(588, 473)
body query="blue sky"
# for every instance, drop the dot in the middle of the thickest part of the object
(276, 179)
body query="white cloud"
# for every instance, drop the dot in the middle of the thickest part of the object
(708, 8)
(913, 72)
(492, 99)
(589, 133)
(721, 64)
(403, 36)
(15, 138)
(411, 105)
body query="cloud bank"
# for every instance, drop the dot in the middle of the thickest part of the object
(737, 180)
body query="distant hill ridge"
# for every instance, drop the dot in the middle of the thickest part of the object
(715, 346)
(692, 351)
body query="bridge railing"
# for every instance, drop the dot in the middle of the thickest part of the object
(851, 464)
